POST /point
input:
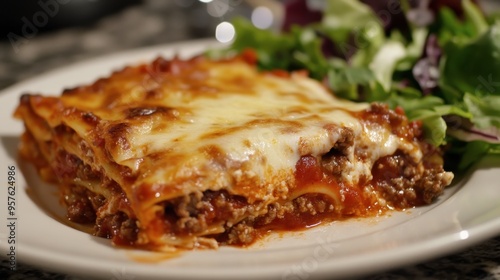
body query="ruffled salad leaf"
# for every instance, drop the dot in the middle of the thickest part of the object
(439, 60)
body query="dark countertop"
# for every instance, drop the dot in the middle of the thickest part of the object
(159, 22)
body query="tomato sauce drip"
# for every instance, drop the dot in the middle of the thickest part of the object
(309, 172)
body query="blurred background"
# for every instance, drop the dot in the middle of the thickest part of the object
(36, 36)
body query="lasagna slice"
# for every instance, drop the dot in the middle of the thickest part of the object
(196, 153)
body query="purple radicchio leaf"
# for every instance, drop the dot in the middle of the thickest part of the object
(463, 129)
(298, 12)
(426, 70)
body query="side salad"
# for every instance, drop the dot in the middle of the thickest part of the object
(439, 60)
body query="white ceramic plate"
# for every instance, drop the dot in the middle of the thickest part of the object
(469, 212)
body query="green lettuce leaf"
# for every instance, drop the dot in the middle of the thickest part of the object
(485, 110)
(473, 67)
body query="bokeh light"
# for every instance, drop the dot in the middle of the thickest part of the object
(262, 17)
(224, 32)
